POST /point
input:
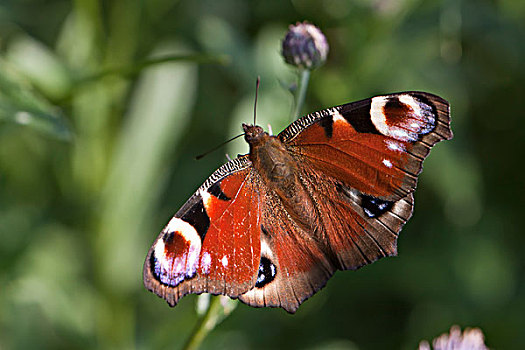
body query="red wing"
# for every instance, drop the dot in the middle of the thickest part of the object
(212, 244)
(357, 168)
(361, 161)
(375, 146)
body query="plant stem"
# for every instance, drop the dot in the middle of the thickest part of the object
(136, 68)
(205, 325)
(301, 94)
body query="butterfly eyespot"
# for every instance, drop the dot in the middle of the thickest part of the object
(168, 266)
(174, 257)
(374, 207)
(267, 272)
(404, 117)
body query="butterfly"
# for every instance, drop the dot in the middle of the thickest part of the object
(330, 192)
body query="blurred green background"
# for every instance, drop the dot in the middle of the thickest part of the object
(97, 147)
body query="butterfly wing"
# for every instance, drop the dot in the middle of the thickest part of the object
(369, 152)
(375, 146)
(358, 165)
(212, 244)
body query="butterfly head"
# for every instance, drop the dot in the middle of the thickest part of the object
(253, 134)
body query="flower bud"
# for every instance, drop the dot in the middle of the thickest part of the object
(305, 46)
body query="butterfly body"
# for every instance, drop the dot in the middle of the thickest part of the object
(330, 192)
(277, 169)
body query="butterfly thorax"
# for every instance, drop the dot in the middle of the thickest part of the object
(270, 157)
(279, 171)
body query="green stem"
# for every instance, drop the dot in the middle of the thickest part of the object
(134, 69)
(138, 67)
(206, 323)
(301, 94)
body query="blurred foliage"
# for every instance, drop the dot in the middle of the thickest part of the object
(91, 169)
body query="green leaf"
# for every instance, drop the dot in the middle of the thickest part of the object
(20, 104)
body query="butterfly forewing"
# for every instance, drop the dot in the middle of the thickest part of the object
(213, 243)
(375, 146)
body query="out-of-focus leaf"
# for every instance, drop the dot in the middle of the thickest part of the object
(335, 344)
(137, 68)
(48, 285)
(275, 102)
(218, 36)
(20, 104)
(157, 118)
(40, 66)
(217, 310)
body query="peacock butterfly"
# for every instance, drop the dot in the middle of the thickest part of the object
(330, 192)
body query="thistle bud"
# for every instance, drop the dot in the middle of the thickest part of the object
(305, 46)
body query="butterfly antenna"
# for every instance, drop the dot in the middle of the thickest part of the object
(217, 147)
(235, 137)
(255, 104)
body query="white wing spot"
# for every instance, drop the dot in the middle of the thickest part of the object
(337, 117)
(265, 249)
(224, 261)
(378, 115)
(387, 163)
(395, 146)
(206, 262)
(206, 196)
